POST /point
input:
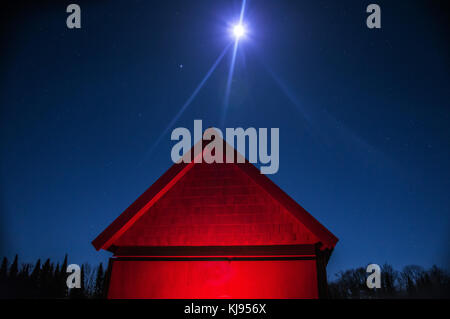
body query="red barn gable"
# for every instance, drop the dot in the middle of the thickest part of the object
(223, 224)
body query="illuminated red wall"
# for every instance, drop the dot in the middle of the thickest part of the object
(213, 279)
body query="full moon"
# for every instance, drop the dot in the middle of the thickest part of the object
(238, 31)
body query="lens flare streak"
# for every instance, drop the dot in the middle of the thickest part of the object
(241, 31)
(188, 101)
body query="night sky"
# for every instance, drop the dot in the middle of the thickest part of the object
(363, 116)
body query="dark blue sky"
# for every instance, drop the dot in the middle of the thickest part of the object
(363, 116)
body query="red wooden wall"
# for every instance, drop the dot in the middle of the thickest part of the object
(275, 279)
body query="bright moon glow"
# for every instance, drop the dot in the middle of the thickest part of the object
(238, 31)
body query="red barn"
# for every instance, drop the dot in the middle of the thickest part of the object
(216, 231)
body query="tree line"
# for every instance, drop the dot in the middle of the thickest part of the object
(48, 280)
(411, 282)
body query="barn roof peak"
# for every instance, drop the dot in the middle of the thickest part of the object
(155, 193)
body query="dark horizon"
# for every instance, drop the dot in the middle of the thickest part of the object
(363, 117)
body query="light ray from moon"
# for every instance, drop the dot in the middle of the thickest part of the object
(316, 123)
(188, 102)
(239, 32)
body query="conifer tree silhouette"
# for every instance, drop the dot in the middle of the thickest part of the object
(62, 286)
(4, 269)
(14, 269)
(99, 282)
